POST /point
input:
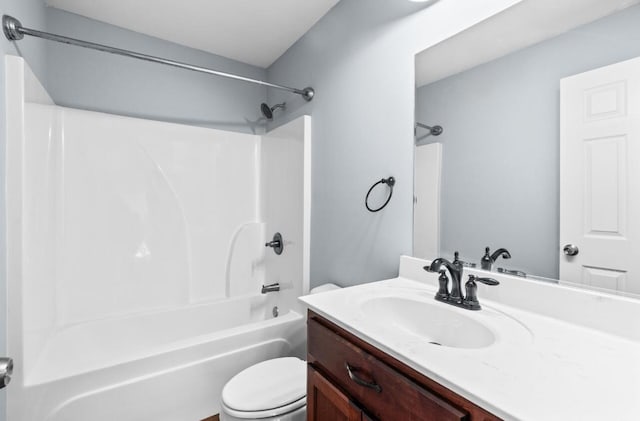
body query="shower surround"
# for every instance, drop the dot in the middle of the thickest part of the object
(136, 257)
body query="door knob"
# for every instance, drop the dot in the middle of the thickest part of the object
(6, 370)
(571, 250)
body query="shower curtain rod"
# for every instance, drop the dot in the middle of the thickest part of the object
(14, 31)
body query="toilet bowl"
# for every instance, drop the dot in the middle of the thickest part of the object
(272, 390)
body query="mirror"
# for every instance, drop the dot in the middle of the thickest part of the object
(492, 177)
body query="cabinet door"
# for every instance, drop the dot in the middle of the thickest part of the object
(390, 395)
(325, 402)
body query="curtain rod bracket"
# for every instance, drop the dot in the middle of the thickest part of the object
(11, 27)
(433, 130)
(308, 93)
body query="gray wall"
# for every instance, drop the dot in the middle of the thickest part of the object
(97, 81)
(501, 142)
(361, 132)
(360, 59)
(34, 52)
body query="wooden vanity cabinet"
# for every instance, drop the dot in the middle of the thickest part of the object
(326, 402)
(349, 379)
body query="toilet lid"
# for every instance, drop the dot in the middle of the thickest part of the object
(267, 385)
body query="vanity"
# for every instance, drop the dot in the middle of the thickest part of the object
(343, 369)
(389, 351)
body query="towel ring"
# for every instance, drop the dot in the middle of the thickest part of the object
(389, 182)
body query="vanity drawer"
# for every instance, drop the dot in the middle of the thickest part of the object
(381, 390)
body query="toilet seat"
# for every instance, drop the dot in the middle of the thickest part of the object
(267, 389)
(274, 412)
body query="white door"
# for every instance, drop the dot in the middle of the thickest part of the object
(426, 211)
(600, 177)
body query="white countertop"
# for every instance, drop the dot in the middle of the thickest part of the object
(539, 368)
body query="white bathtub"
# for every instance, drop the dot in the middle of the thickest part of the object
(172, 368)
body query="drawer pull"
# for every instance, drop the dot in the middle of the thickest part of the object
(370, 385)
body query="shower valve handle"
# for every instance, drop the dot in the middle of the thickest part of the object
(277, 244)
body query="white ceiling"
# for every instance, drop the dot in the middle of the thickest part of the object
(525, 24)
(256, 32)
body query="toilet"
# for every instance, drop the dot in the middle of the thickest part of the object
(272, 390)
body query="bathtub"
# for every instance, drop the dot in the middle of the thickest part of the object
(172, 368)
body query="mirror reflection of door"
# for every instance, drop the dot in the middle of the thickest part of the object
(600, 177)
(426, 210)
(496, 92)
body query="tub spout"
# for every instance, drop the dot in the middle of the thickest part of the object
(270, 288)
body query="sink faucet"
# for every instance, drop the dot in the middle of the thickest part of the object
(488, 260)
(455, 269)
(470, 301)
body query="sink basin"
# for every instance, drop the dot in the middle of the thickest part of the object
(434, 322)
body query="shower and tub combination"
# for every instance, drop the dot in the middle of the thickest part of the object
(137, 258)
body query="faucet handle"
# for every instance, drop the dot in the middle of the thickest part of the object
(457, 261)
(512, 272)
(471, 288)
(277, 243)
(486, 281)
(443, 288)
(456, 258)
(486, 261)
